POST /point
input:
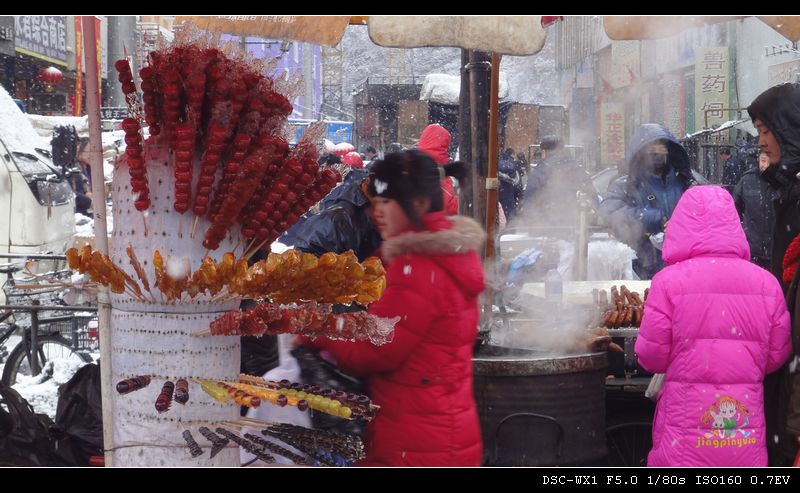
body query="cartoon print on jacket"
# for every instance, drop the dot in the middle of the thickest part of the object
(726, 414)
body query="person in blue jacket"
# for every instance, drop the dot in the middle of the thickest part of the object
(638, 206)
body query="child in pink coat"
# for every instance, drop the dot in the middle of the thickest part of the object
(715, 324)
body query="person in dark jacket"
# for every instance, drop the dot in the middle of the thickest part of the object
(732, 168)
(509, 181)
(776, 116)
(754, 199)
(343, 222)
(638, 206)
(551, 196)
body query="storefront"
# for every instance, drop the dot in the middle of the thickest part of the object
(40, 42)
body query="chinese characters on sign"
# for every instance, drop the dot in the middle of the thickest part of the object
(612, 132)
(42, 36)
(712, 81)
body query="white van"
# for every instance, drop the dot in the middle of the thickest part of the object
(36, 200)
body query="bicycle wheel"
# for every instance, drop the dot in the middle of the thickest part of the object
(49, 348)
(629, 443)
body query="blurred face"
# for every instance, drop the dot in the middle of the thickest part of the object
(389, 217)
(655, 158)
(768, 143)
(763, 162)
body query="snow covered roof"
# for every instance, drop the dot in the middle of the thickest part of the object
(44, 124)
(16, 130)
(445, 89)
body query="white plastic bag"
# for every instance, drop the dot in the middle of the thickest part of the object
(656, 382)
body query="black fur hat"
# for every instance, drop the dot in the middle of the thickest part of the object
(407, 175)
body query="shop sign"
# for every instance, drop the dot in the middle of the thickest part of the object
(41, 36)
(711, 86)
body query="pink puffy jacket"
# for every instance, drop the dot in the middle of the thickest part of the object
(715, 324)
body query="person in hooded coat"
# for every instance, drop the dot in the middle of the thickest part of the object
(776, 115)
(422, 379)
(435, 141)
(638, 205)
(715, 324)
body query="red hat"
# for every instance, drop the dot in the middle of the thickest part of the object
(790, 260)
(353, 160)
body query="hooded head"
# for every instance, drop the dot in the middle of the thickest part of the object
(435, 141)
(353, 160)
(704, 223)
(642, 153)
(779, 109)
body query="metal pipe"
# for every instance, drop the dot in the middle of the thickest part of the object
(35, 369)
(478, 70)
(492, 183)
(100, 228)
(42, 308)
(465, 205)
(33, 256)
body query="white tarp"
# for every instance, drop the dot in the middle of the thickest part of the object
(505, 34)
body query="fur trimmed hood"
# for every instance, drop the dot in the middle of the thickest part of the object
(463, 234)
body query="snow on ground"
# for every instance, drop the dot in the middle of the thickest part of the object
(41, 391)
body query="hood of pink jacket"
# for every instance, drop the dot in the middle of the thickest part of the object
(435, 140)
(704, 223)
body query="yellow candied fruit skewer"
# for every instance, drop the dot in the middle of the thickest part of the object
(214, 390)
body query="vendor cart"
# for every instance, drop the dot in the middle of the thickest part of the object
(579, 408)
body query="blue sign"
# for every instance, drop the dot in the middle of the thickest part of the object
(337, 132)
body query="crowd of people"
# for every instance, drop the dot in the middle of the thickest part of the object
(722, 321)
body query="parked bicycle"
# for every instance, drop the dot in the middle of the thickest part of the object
(65, 336)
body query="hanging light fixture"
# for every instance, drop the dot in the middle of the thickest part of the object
(50, 76)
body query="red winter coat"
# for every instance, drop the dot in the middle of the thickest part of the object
(423, 378)
(435, 141)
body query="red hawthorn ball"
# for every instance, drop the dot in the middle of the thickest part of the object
(134, 151)
(123, 65)
(142, 204)
(137, 173)
(130, 126)
(184, 132)
(182, 145)
(146, 72)
(210, 244)
(281, 188)
(183, 176)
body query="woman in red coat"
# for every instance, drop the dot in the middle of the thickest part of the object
(422, 379)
